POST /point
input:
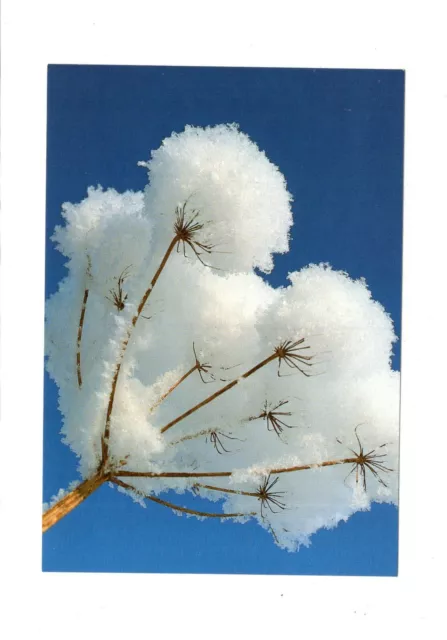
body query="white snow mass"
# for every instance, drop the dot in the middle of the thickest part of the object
(161, 286)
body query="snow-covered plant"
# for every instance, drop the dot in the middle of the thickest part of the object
(179, 368)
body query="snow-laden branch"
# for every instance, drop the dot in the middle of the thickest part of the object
(171, 275)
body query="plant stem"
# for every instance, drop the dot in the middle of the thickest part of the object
(144, 299)
(215, 395)
(303, 467)
(72, 500)
(174, 386)
(224, 490)
(226, 474)
(80, 328)
(177, 508)
(78, 352)
(148, 291)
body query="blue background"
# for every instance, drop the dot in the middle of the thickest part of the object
(337, 136)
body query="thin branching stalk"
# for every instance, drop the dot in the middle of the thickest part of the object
(303, 467)
(149, 290)
(215, 395)
(173, 474)
(226, 474)
(81, 326)
(144, 299)
(175, 507)
(174, 386)
(193, 436)
(198, 485)
(198, 366)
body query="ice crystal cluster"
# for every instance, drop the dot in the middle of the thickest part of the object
(210, 310)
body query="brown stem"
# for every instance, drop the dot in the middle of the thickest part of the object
(174, 386)
(148, 291)
(106, 434)
(172, 474)
(80, 327)
(303, 467)
(72, 500)
(215, 395)
(177, 508)
(144, 299)
(224, 490)
(204, 432)
(226, 474)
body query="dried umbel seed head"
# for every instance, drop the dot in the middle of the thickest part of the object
(215, 439)
(371, 461)
(186, 230)
(267, 497)
(274, 423)
(118, 296)
(203, 368)
(288, 352)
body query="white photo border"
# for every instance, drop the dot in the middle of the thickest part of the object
(361, 35)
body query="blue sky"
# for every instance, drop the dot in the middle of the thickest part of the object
(337, 136)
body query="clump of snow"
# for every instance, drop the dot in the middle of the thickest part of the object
(210, 325)
(240, 196)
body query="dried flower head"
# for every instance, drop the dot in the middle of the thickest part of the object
(186, 230)
(267, 497)
(288, 351)
(118, 297)
(202, 368)
(371, 461)
(270, 415)
(215, 439)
